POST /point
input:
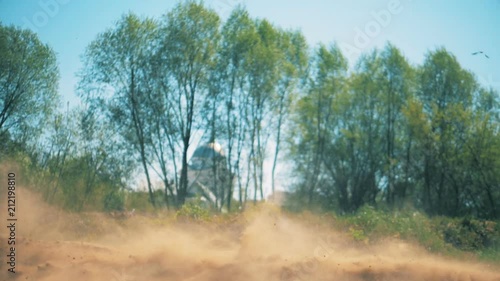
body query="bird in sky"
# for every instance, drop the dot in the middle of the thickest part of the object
(480, 52)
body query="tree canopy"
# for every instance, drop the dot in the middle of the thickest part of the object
(28, 83)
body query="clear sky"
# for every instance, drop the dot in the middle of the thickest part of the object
(415, 27)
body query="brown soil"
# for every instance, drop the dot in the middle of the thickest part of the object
(259, 245)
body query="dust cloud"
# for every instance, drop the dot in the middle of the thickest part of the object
(260, 244)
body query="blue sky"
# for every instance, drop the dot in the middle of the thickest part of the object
(461, 26)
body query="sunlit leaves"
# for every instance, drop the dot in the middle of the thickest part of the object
(28, 83)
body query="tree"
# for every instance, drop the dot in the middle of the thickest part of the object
(397, 83)
(56, 151)
(115, 64)
(362, 133)
(239, 35)
(446, 92)
(316, 125)
(292, 70)
(104, 163)
(262, 70)
(185, 56)
(28, 83)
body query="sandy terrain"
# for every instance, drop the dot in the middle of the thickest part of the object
(259, 245)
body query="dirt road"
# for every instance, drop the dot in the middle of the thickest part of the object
(259, 245)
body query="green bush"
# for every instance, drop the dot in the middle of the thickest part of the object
(451, 236)
(469, 234)
(369, 223)
(193, 210)
(114, 201)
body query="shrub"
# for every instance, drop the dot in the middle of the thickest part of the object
(193, 210)
(114, 201)
(469, 234)
(369, 223)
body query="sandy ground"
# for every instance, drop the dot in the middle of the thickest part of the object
(258, 245)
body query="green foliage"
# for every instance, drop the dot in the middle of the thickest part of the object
(490, 254)
(391, 133)
(114, 201)
(28, 85)
(371, 224)
(439, 234)
(470, 234)
(358, 234)
(138, 200)
(193, 210)
(117, 63)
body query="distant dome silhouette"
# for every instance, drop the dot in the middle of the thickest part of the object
(209, 150)
(208, 174)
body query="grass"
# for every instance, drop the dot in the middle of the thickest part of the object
(455, 237)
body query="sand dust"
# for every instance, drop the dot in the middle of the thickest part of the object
(258, 245)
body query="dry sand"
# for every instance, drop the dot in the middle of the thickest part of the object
(258, 245)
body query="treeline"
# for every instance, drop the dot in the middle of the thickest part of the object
(394, 134)
(385, 132)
